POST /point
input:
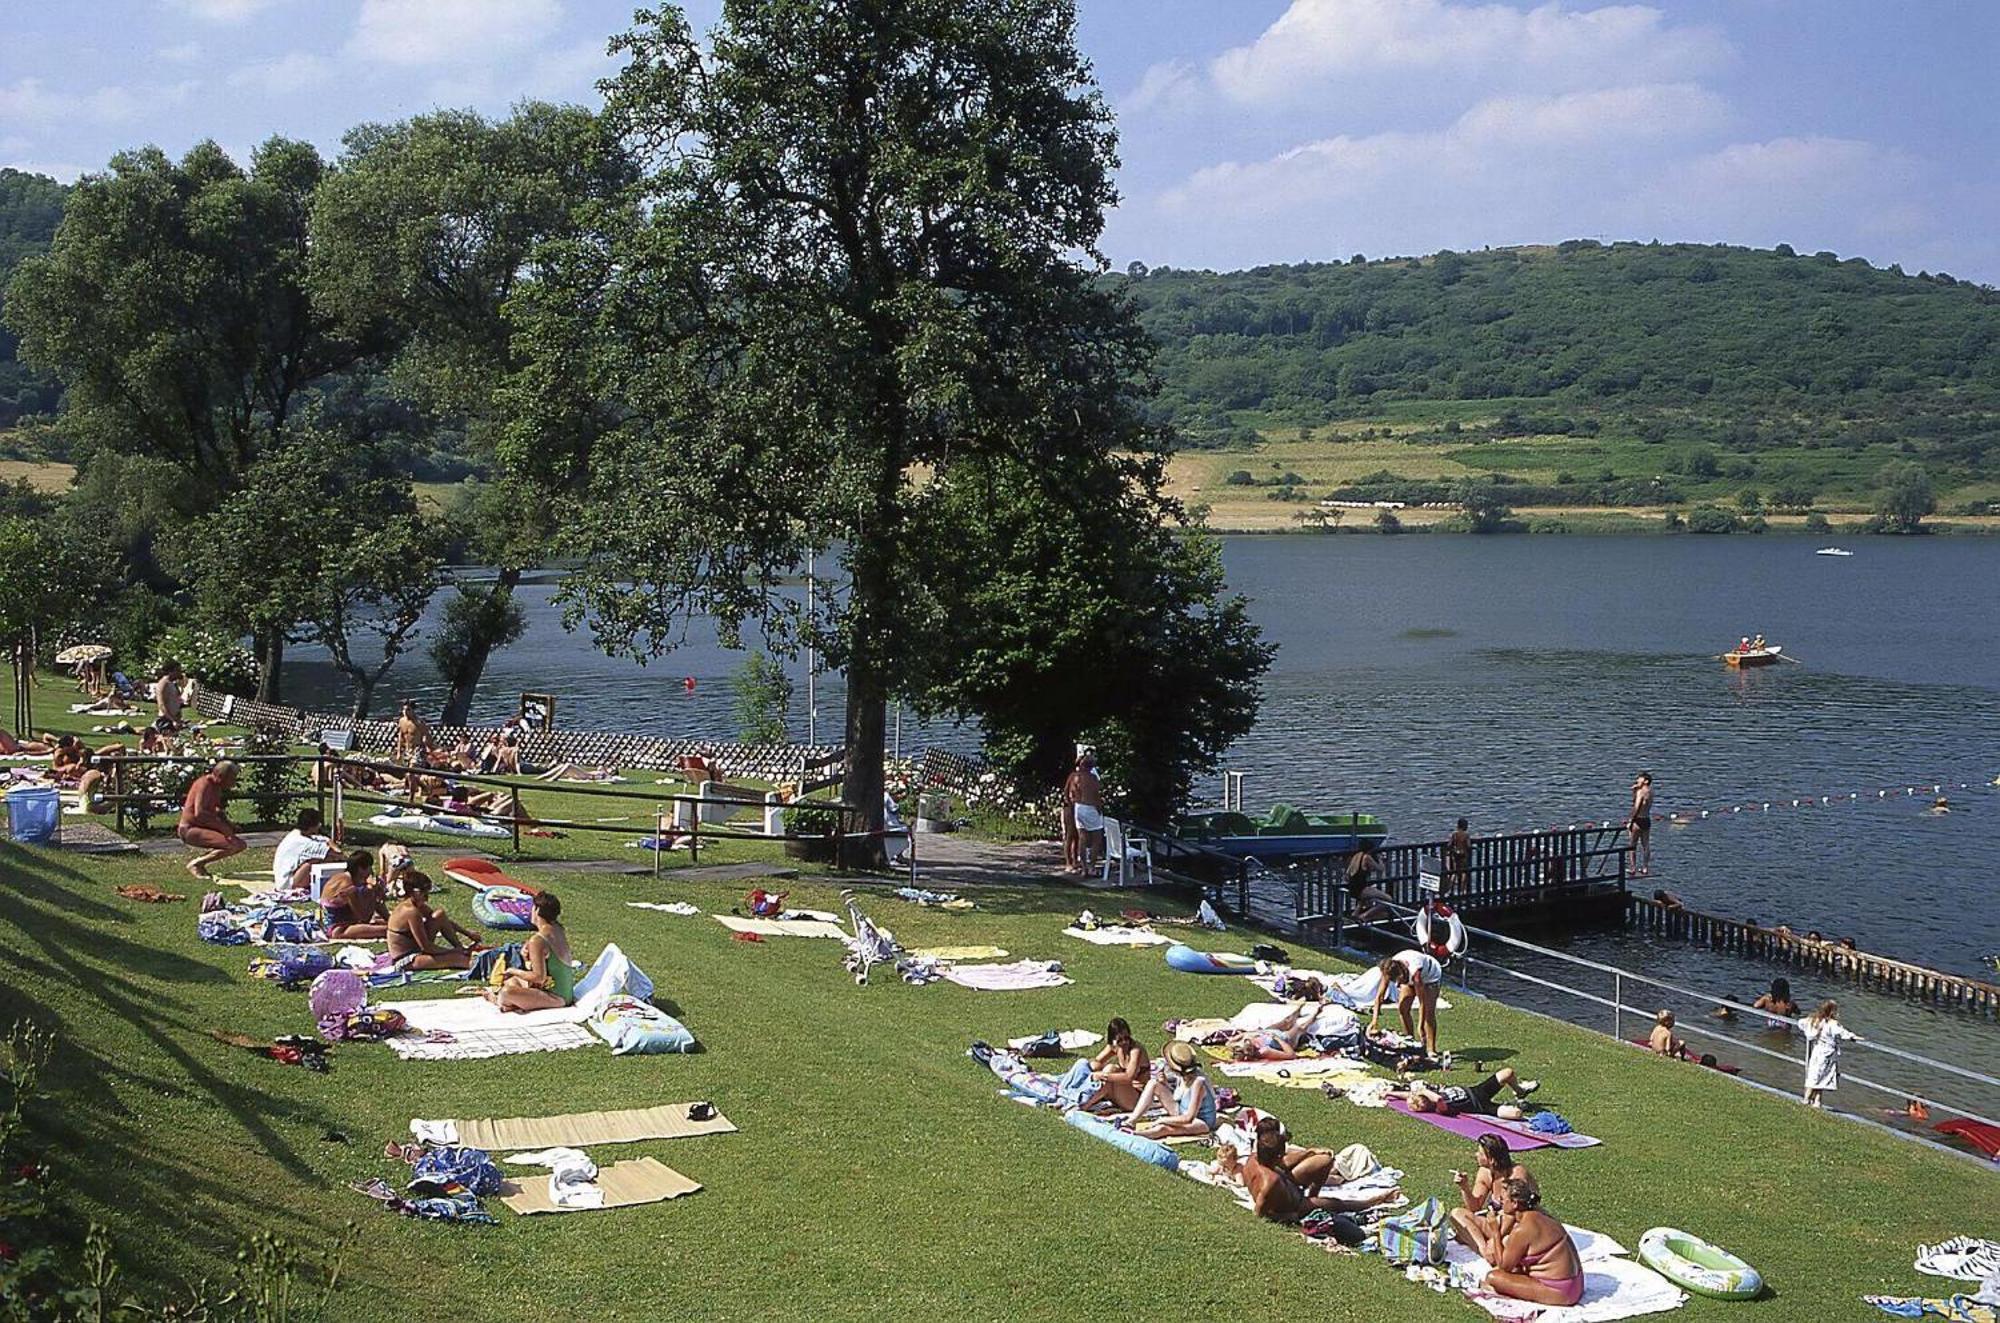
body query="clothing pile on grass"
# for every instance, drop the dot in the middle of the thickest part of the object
(1969, 1259)
(260, 922)
(447, 1184)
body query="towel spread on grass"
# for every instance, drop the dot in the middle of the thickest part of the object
(1068, 1040)
(455, 826)
(1117, 936)
(782, 927)
(575, 1130)
(1306, 1073)
(1472, 1127)
(679, 907)
(623, 1184)
(1966, 1258)
(1333, 1021)
(478, 1029)
(1022, 974)
(947, 954)
(1958, 1309)
(1613, 1288)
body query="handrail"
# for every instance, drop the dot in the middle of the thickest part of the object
(1617, 1004)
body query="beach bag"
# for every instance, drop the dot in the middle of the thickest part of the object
(1417, 1236)
(365, 1025)
(1354, 1162)
(32, 814)
(639, 1028)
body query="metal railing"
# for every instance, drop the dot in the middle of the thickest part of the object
(1544, 868)
(1618, 1007)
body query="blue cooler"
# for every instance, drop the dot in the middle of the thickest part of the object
(32, 814)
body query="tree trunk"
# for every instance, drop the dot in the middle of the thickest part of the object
(364, 693)
(458, 701)
(270, 648)
(867, 719)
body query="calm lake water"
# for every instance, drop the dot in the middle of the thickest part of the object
(1520, 681)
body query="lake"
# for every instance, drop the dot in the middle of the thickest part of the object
(1521, 681)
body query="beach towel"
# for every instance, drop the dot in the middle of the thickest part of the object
(1019, 976)
(448, 824)
(782, 927)
(1527, 1128)
(679, 907)
(1957, 1309)
(576, 1129)
(1068, 1040)
(1613, 1288)
(1305, 1073)
(947, 954)
(1333, 1021)
(623, 1184)
(1119, 936)
(472, 1028)
(1966, 1258)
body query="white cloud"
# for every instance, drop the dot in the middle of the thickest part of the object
(1168, 85)
(63, 172)
(1316, 44)
(571, 74)
(186, 52)
(30, 101)
(299, 71)
(421, 32)
(1806, 191)
(223, 11)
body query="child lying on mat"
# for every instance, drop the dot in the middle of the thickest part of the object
(421, 937)
(1458, 1100)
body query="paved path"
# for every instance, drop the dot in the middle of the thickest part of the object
(949, 860)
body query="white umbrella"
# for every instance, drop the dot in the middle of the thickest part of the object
(82, 652)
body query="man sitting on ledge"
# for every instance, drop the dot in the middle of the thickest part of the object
(204, 826)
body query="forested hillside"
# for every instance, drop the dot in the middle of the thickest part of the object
(1745, 348)
(30, 209)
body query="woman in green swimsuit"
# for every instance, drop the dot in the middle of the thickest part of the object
(548, 980)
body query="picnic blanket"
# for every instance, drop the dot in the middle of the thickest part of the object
(1304, 1073)
(947, 954)
(1613, 1287)
(472, 1029)
(782, 927)
(639, 1181)
(1119, 936)
(574, 1130)
(1472, 1127)
(1022, 974)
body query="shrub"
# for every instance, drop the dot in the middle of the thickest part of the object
(1711, 519)
(1817, 523)
(217, 659)
(1387, 522)
(763, 700)
(1240, 478)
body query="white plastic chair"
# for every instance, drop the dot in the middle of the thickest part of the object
(1126, 850)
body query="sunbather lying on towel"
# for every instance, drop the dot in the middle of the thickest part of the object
(353, 902)
(1458, 1100)
(576, 772)
(1284, 1181)
(1193, 1094)
(1280, 1042)
(423, 937)
(1120, 1071)
(11, 746)
(1532, 1255)
(547, 980)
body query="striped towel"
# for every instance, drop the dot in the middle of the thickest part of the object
(477, 1044)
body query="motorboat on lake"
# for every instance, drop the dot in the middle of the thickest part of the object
(1833, 551)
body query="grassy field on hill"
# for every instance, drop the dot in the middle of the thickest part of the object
(876, 1172)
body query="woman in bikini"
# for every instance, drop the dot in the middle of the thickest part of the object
(1279, 1042)
(352, 902)
(1121, 1070)
(1532, 1255)
(1478, 1218)
(421, 937)
(547, 981)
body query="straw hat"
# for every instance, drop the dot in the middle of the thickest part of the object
(1181, 1057)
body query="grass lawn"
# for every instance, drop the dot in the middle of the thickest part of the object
(876, 1174)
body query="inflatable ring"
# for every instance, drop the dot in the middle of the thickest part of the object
(1455, 936)
(503, 907)
(1689, 1261)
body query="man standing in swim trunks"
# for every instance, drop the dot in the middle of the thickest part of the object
(1641, 821)
(203, 824)
(1457, 858)
(1284, 1182)
(1086, 804)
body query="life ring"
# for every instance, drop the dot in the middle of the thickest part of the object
(1691, 1262)
(1455, 936)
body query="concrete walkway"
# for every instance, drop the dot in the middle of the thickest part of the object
(950, 860)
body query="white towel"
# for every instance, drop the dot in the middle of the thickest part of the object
(1021, 974)
(1612, 1289)
(434, 1132)
(572, 1176)
(1120, 936)
(680, 907)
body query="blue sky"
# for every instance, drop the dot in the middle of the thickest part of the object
(1252, 130)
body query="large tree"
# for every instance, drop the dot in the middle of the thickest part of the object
(421, 237)
(173, 307)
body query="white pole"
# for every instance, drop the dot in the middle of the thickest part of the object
(812, 693)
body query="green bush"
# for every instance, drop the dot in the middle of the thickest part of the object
(217, 659)
(1817, 523)
(1240, 478)
(1711, 519)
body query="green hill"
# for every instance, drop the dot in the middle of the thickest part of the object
(30, 209)
(1746, 351)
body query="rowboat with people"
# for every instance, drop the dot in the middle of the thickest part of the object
(1768, 655)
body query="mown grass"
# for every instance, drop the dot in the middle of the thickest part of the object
(876, 1174)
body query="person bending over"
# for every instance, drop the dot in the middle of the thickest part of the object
(421, 937)
(203, 825)
(546, 980)
(1478, 1100)
(304, 845)
(1478, 1217)
(352, 902)
(1120, 1071)
(1193, 1095)
(1532, 1255)
(1280, 1042)
(1284, 1181)
(1417, 975)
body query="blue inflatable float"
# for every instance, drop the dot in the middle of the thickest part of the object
(503, 907)
(1146, 1150)
(1190, 961)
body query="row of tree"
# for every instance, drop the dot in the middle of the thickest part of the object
(809, 287)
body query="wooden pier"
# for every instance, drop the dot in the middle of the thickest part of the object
(1793, 948)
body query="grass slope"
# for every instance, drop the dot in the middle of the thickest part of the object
(876, 1173)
